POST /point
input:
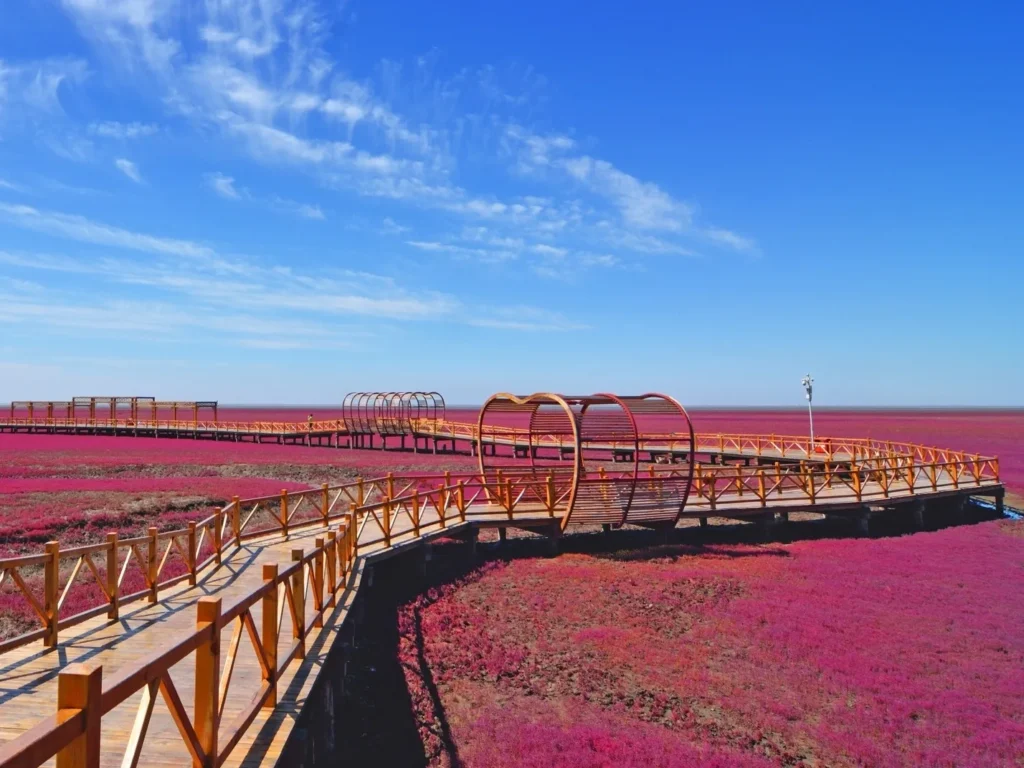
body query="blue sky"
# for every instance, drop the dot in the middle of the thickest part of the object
(278, 201)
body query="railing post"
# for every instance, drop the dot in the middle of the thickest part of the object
(387, 522)
(299, 601)
(331, 569)
(318, 582)
(236, 520)
(192, 554)
(206, 719)
(353, 533)
(549, 494)
(460, 500)
(112, 573)
(444, 498)
(284, 512)
(416, 514)
(268, 638)
(760, 487)
(218, 526)
(391, 485)
(152, 565)
(325, 502)
(360, 492)
(51, 584)
(778, 477)
(79, 690)
(855, 472)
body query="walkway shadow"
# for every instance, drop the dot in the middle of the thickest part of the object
(379, 722)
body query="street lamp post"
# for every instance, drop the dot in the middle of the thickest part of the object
(808, 383)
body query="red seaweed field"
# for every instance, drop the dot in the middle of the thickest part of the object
(892, 652)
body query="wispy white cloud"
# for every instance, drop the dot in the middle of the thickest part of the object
(272, 288)
(84, 230)
(111, 129)
(483, 255)
(303, 210)
(222, 185)
(526, 318)
(35, 86)
(68, 145)
(225, 187)
(129, 169)
(730, 239)
(549, 250)
(391, 227)
(131, 32)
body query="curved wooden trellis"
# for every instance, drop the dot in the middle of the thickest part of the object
(391, 414)
(579, 445)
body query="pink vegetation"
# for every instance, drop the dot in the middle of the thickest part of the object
(892, 652)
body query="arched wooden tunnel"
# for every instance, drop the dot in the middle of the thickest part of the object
(390, 413)
(590, 448)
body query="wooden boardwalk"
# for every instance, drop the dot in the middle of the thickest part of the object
(154, 654)
(29, 674)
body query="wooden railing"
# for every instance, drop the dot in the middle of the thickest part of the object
(730, 488)
(186, 425)
(73, 733)
(194, 548)
(740, 444)
(383, 501)
(384, 511)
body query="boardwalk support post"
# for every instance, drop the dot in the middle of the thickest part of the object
(207, 692)
(112, 590)
(268, 638)
(192, 554)
(79, 692)
(51, 599)
(317, 577)
(918, 512)
(299, 602)
(236, 520)
(152, 566)
(331, 568)
(218, 527)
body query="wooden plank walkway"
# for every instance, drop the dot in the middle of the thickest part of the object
(28, 675)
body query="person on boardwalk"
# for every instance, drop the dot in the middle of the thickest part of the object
(310, 420)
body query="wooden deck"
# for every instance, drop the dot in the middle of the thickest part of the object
(386, 516)
(28, 675)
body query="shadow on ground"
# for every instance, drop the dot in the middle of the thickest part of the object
(378, 724)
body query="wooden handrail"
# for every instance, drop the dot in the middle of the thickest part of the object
(378, 501)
